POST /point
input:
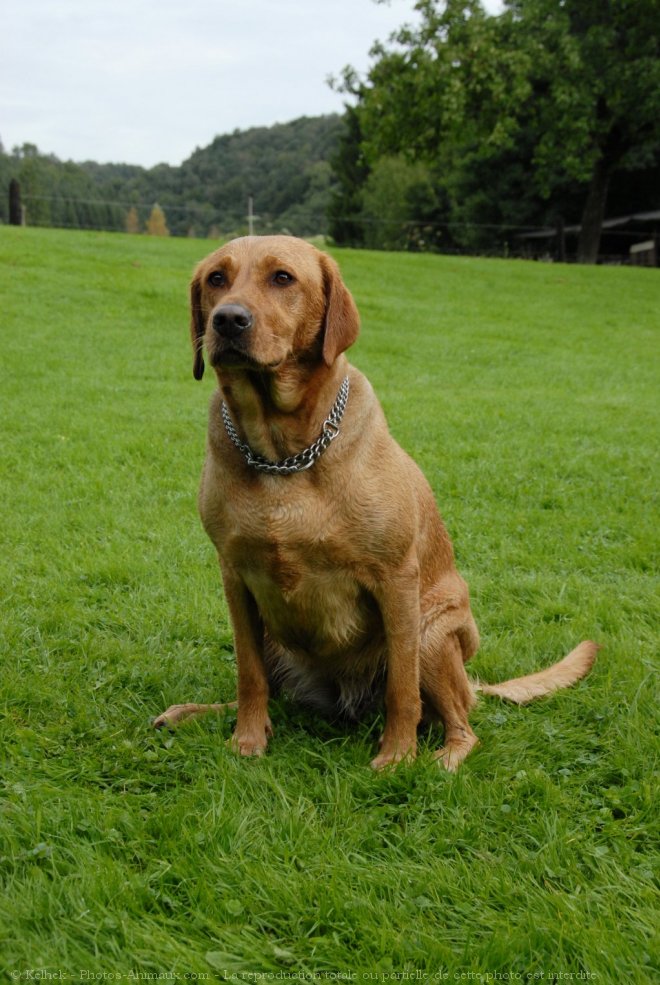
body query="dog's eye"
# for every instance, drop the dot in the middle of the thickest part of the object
(282, 278)
(217, 279)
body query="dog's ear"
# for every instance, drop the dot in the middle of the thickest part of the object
(197, 327)
(342, 321)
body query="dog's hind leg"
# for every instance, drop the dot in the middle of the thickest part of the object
(448, 641)
(448, 695)
(449, 637)
(179, 713)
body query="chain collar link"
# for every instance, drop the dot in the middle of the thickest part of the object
(303, 459)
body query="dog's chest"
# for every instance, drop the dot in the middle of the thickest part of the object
(278, 540)
(286, 552)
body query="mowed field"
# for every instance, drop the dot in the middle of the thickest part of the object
(528, 394)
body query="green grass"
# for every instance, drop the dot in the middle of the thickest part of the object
(528, 395)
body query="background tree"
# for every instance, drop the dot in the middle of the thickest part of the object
(132, 220)
(351, 171)
(57, 193)
(285, 167)
(564, 92)
(398, 202)
(595, 75)
(156, 224)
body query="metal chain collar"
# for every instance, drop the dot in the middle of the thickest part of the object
(303, 459)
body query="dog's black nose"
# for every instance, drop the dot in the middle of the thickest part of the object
(231, 320)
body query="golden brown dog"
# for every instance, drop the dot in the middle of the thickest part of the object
(338, 571)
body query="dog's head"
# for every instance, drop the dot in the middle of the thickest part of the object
(260, 302)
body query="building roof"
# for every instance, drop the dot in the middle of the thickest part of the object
(549, 231)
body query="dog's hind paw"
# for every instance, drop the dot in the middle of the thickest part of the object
(455, 750)
(179, 713)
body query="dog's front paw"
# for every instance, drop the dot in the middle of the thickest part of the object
(252, 742)
(389, 757)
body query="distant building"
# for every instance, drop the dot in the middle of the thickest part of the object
(631, 239)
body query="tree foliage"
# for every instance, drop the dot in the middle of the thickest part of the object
(132, 220)
(285, 168)
(395, 190)
(56, 193)
(521, 116)
(156, 223)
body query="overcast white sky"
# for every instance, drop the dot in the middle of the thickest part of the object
(145, 81)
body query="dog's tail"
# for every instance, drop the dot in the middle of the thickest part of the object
(577, 664)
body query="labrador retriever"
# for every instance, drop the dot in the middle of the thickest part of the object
(338, 572)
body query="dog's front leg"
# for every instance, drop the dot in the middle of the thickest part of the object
(253, 727)
(398, 597)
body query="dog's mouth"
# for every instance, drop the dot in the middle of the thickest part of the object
(231, 357)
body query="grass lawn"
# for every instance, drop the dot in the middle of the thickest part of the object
(527, 393)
